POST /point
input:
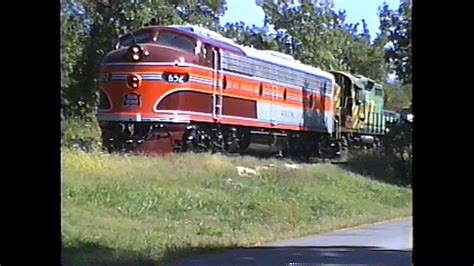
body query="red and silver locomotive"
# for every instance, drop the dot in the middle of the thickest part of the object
(187, 88)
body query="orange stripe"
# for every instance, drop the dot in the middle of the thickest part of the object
(321, 103)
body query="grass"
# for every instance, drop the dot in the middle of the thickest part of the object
(378, 165)
(139, 210)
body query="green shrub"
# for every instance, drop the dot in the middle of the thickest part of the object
(80, 133)
(382, 166)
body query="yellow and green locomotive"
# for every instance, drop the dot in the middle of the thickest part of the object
(360, 110)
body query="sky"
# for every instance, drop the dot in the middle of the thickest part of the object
(356, 10)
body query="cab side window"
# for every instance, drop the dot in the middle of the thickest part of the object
(208, 55)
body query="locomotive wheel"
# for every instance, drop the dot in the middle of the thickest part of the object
(217, 140)
(190, 139)
(232, 142)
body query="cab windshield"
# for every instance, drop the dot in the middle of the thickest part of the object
(165, 38)
(175, 40)
(128, 40)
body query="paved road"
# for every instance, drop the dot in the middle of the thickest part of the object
(382, 243)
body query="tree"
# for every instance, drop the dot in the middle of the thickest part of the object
(201, 12)
(74, 32)
(397, 95)
(305, 28)
(317, 35)
(395, 25)
(250, 36)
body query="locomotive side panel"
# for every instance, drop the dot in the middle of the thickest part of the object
(255, 92)
(371, 106)
(285, 96)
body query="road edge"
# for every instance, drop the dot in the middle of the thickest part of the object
(342, 229)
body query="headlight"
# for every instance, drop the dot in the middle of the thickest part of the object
(134, 81)
(135, 52)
